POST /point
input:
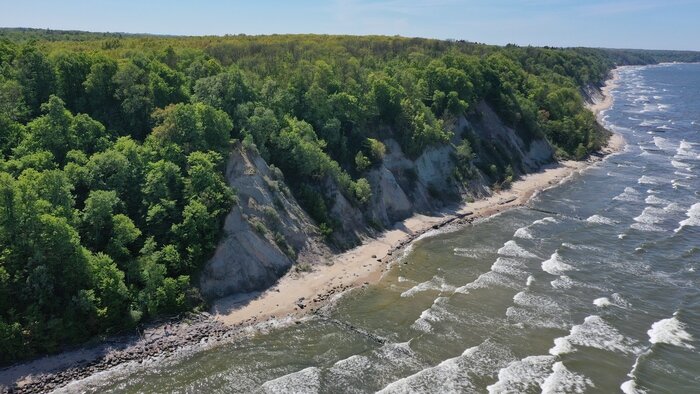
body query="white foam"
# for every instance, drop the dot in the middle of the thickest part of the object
(435, 313)
(648, 180)
(673, 207)
(670, 331)
(487, 280)
(629, 194)
(509, 266)
(597, 333)
(630, 387)
(693, 215)
(453, 375)
(512, 249)
(663, 143)
(545, 220)
(530, 281)
(524, 375)
(524, 233)
(555, 265)
(602, 302)
(436, 283)
(653, 200)
(352, 366)
(651, 215)
(599, 219)
(307, 380)
(563, 282)
(561, 380)
(685, 149)
(561, 346)
(676, 183)
(680, 165)
(685, 175)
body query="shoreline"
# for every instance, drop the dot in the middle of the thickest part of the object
(365, 264)
(607, 99)
(295, 295)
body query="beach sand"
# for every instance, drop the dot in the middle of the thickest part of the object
(598, 107)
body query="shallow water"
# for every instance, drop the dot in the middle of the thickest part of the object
(602, 296)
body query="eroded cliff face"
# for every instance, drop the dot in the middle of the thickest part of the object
(264, 234)
(529, 157)
(267, 231)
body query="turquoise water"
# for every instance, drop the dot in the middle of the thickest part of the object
(599, 295)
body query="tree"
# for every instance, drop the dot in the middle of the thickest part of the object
(100, 90)
(225, 91)
(262, 125)
(163, 197)
(72, 70)
(52, 132)
(193, 127)
(12, 104)
(135, 95)
(207, 185)
(11, 133)
(387, 94)
(96, 220)
(197, 233)
(112, 295)
(91, 136)
(36, 76)
(168, 85)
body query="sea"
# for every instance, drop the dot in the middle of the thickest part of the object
(594, 287)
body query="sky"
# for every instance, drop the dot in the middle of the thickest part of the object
(647, 24)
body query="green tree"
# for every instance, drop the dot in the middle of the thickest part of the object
(52, 131)
(72, 70)
(193, 127)
(35, 74)
(225, 91)
(135, 95)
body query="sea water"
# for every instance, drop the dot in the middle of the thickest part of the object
(601, 296)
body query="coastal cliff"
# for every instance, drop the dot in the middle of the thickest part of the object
(267, 231)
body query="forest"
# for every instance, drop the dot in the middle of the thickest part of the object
(113, 149)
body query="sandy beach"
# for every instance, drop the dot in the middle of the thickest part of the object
(297, 293)
(607, 101)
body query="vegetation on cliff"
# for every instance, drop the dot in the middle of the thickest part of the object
(112, 149)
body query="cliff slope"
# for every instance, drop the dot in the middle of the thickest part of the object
(267, 231)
